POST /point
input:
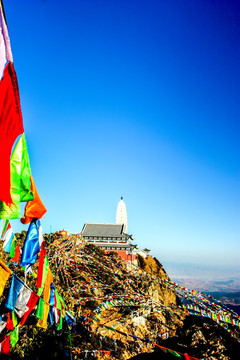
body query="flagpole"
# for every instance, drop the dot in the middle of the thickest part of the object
(50, 234)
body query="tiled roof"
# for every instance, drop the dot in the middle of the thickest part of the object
(117, 245)
(103, 230)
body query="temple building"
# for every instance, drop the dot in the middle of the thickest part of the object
(112, 237)
(63, 232)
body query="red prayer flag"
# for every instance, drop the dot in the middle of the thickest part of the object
(9, 325)
(31, 304)
(17, 254)
(5, 346)
(40, 266)
(11, 126)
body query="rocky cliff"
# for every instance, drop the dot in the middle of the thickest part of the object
(122, 311)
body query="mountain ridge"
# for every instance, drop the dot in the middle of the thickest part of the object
(123, 311)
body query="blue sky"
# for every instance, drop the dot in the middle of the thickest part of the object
(138, 99)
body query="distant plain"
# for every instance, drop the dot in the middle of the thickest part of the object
(222, 282)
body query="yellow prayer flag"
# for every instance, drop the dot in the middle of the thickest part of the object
(48, 281)
(43, 322)
(4, 275)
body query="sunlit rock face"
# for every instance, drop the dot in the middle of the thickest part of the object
(121, 216)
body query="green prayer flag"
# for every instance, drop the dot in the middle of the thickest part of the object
(12, 250)
(175, 353)
(25, 181)
(109, 328)
(5, 225)
(60, 322)
(14, 319)
(59, 307)
(14, 337)
(40, 308)
(70, 338)
(20, 172)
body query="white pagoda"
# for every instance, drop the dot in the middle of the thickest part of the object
(121, 216)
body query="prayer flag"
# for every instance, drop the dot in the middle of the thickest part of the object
(32, 243)
(22, 300)
(58, 311)
(46, 291)
(52, 299)
(14, 337)
(62, 305)
(11, 125)
(6, 226)
(52, 302)
(42, 322)
(12, 250)
(175, 353)
(11, 320)
(30, 306)
(5, 346)
(3, 322)
(8, 238)
(4, 275)
(42, 313)
(20, 181)
(5, 47)
(9, 324)
(56, 315)
(18, 297)
(26, 193)
(39, 312)
(8, 321)
(34, 208)
(13, 292)
(51, 315)
(42, 269)
(70, 319)
(17, 254)
(60, 322)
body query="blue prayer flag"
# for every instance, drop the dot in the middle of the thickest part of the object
(52, 303)
(32, 244)
(70, 319)
(13, 293)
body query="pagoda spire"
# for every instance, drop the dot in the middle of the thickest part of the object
(121, 216)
